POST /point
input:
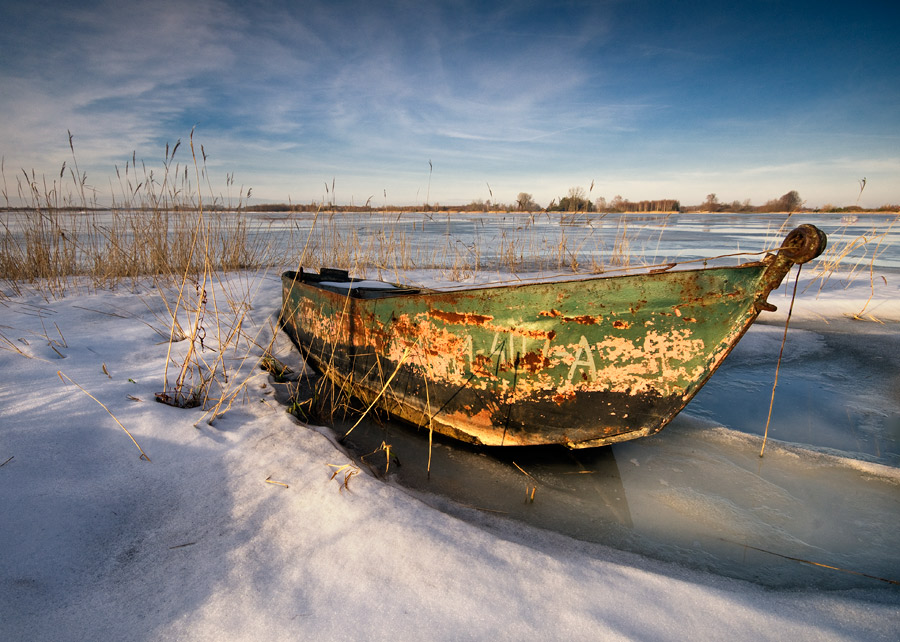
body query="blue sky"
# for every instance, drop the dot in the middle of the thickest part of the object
(643, 99)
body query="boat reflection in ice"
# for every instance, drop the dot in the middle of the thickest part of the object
(698, 495)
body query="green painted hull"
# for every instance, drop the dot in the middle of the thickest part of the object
(583, 363)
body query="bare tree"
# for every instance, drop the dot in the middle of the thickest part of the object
(525, 202)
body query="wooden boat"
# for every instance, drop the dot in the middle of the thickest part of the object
(582, 362)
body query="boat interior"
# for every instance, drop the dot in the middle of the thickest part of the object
(340, 282)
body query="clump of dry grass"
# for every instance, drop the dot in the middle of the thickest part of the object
(621, 256)
(217, 345)
(60, 234)
(158, 228)
(857, 255)
(213, 345)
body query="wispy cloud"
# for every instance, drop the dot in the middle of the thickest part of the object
(518, 93)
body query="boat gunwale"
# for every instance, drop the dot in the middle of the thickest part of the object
(408, 290)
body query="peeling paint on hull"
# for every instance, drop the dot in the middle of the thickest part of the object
(582, 363)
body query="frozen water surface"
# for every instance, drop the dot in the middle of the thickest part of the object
(838, 389)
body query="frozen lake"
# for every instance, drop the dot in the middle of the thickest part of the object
(478, 245)
(545, 243)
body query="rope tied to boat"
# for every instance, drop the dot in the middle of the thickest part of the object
(780, 355)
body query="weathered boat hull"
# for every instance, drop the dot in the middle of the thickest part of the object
(583, 362)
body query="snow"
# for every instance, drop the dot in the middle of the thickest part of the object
(244, 529)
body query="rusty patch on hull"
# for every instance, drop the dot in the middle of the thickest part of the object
(460, 319)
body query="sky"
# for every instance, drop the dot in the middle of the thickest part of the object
(411, 102)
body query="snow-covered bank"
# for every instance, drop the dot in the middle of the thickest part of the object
(96, 543)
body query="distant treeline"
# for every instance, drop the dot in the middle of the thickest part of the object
(575, 201)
